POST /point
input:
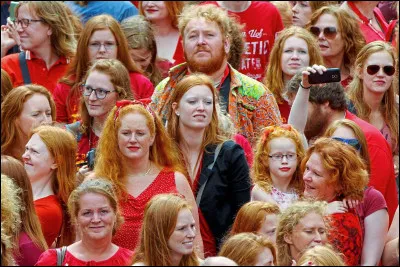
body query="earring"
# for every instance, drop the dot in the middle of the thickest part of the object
(177, 114)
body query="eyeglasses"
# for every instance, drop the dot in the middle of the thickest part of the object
(352, 142)
(329, 32)
(25, 22)
(279, 157)
(107, 46)
(99, 92)
(374, 69)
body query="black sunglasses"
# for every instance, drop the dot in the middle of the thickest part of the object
(329, 32)
(373, 69)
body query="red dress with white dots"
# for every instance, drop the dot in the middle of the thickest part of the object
(132, 209)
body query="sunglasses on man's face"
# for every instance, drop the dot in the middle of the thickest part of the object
(374, 69)
(329, 32)
(352, 142)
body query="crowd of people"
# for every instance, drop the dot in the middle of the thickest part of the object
(171, 133)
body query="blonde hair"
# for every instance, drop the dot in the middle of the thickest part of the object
(174, 9)
(11, 204)
(251, 216)
(119, 77)
(63, 23)
(260, 170)
(160, 218)
(347, 170)
(96, 186)
(11, 109)
(288, 220)
(112, 166)
(62, 146)
(244, 248)
(349, 29)
(357, 132)
(321, 256)
(15, 170)
(273, 73)
(388, 106)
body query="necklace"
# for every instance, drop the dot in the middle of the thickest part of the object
(147, 172)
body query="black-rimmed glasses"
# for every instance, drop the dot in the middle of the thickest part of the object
(279, 157)
(99, 92)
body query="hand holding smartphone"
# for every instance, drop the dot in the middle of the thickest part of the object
(329, 76)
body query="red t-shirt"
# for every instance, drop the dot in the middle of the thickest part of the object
(38, 71)
(373, 200)
(123, 257)
(50, 214)
(382, 167)
(141, 88)
(262, 22)
(165, 65)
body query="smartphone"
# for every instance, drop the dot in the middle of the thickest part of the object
(12, 8)
(329, 76)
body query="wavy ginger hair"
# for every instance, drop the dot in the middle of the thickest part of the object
(388, 106)
(15, 170)
(347, 170)
(113, 166)
(273, 73)
(251, 216)
(288, 220)
(11, 109)
(119, 78)
(160, 218)
(260, 170)
(65, 26)
(212, 134)
(349, 29)
(244, 248)
(81, 62)
(62, 146)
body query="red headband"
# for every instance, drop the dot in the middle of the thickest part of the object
(123, 103)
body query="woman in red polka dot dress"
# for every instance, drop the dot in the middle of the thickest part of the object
(138, 156)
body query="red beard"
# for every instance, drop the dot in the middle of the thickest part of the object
(209, 66)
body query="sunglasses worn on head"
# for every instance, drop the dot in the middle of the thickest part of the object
(374, 69)
(329, 32)
(352, 142)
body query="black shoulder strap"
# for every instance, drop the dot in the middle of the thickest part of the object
(61, 255)
(210, 167)
(24, 68)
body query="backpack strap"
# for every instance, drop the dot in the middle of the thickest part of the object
(210, 167)
(24, 68)
(61, 255)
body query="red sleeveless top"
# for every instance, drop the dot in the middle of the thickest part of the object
(132, 209)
